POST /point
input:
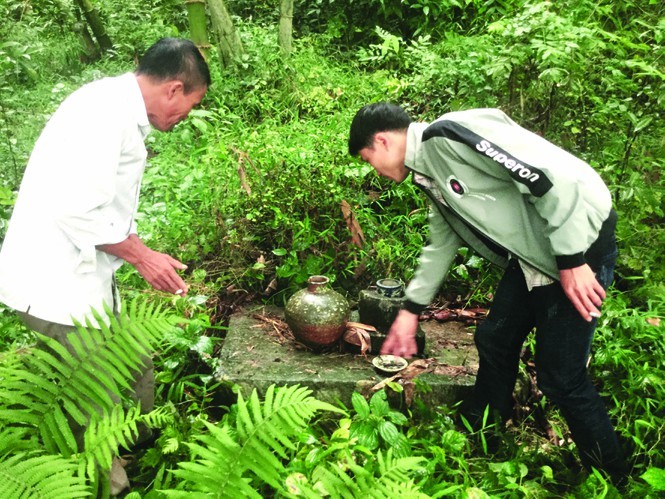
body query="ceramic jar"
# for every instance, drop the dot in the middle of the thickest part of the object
(390, 288)
(317, 314)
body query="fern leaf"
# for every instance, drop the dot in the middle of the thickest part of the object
(53, 385)
(250, 425)
(273, 426)
(189, 495)
(103, 435)
(157, 418)
(263, 431)
(138, 343)
(217, 471)
(14, 440)
(352, 480)
(396, 475)
(45, 477)
(398, 468)
(57, 434)
(334, 481)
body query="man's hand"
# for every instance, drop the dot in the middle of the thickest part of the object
(158, 269)
(401, 339)
(583, 290)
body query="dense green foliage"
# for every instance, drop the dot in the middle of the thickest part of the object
(249, 193)
(48, 391)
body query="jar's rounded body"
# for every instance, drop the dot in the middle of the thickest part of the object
(317, 314)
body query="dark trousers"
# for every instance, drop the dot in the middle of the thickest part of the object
(563, 341)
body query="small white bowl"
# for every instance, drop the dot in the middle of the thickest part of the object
(389, 364)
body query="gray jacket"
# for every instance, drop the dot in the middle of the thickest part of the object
(501, 190)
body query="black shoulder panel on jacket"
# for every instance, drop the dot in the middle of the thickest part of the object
(532, 177)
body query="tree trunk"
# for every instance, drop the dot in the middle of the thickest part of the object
(285, 25)
(230, 46)
(196, 12)
(90, 50)
(94, 21)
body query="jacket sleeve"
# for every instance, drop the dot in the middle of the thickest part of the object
(434, 262)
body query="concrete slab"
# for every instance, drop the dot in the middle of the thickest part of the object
(258, 352)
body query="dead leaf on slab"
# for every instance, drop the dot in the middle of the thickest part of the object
(467, 315)
(357, 334)
(358, 337)
(277, 328)
(360, 325)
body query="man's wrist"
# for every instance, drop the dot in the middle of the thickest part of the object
(413, 307)
(565, 262)
(132, 249)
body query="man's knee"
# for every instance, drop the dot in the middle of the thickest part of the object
(561, 386)
(485, 336)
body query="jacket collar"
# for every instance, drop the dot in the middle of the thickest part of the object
(413, 155)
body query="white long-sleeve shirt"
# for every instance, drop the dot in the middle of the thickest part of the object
(80, 189)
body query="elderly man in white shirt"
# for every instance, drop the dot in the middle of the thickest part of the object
(73, 224)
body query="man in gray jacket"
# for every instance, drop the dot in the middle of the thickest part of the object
(532, 208)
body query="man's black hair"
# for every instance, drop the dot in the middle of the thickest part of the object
(374, 118)
(175, 59)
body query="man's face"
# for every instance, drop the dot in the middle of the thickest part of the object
(386, 155)
(174, 105)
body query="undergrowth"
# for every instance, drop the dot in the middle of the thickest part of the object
(251, 193)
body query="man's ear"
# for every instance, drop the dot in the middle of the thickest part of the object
(173, 87)
(381, 139)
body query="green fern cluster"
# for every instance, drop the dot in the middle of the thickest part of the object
(393, 478)
(259, 446)
(47, 476)
(231, 458)
(47, 390)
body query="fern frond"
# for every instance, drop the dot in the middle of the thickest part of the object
(352, 480)
(158, 418)
(53, 385)
(396, 475)
(13, 439)
(267, 429)
(45, 477)
(102, 437)
(57, 433)
(217, 472)
(335, 481)
(264, 432)
(160, 320)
